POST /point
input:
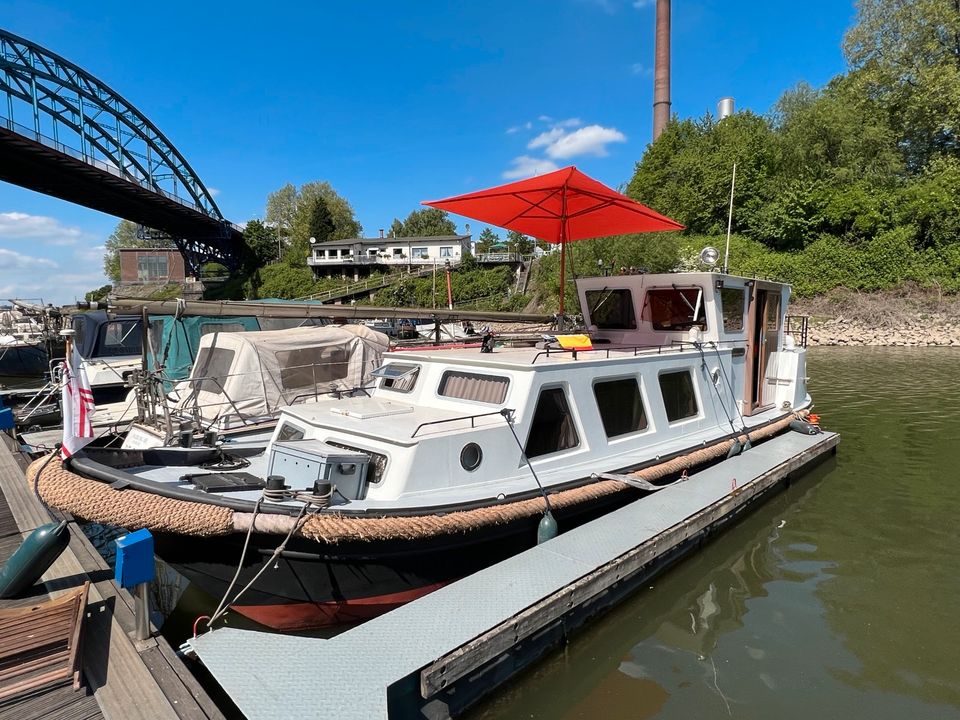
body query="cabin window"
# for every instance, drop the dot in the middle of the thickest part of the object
(675, 309)
(679, 398)
(212, 368)
(611, 309)
(732, 305)
(207, 328)
(311, 366)
(471, 386)
(378, 461)
(621, 406)
(120, 337)
(552, 429)
(288, 431)
(398, 377)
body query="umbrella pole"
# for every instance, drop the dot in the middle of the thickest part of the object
(563, 265)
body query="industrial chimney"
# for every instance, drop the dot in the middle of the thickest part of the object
(725, 108)
(661, 70)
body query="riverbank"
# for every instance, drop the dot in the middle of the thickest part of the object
(908, 316)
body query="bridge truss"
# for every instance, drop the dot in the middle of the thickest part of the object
(54, 113)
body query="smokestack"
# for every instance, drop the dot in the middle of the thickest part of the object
(725, 108)
(661, 70)
(381, 232)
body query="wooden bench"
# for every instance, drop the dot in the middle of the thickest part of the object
(40, 645)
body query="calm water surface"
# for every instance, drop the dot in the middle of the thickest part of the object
(836, 599)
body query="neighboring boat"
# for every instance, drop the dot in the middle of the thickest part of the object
(27, 339)
(361, 503)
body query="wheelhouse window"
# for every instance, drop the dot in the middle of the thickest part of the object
(679, 397)
(311, 366)
(733, 304)
(490, 389)
(398, 377)
(675, 309)
(621, 406)
(212, 368)
(552, 429)
(119, 337)
(611, 309)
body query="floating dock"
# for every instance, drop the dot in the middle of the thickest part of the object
(436, 656)
(121, 678)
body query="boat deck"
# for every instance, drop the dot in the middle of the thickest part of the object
(439, 654)
(121, 678)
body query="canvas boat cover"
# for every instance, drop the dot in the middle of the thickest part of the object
(245, 377)
(174, 341)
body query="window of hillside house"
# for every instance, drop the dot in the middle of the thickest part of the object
(733, 304)
(552, 428)
(152, 267)
(372, 252)
(471, 386)
(679, 398)
(420, 252)
(311, 366)
(621, 406)
(611, 309)
(446, 252)
(397, 252)
(675, 309)
(212, 368)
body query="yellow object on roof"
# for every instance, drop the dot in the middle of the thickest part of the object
(575, 342)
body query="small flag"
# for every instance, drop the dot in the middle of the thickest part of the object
(77, 405)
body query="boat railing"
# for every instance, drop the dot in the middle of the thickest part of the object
(798, 325)
(471, 418)
(634, 350)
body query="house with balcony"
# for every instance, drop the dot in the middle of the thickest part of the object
(358, 257)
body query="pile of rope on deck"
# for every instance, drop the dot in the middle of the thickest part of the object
(99, 502)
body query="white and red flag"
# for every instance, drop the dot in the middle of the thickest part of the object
(77, 406)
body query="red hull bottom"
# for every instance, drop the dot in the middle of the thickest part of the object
(304, 616)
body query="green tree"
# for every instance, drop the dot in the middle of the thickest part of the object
(426, 222)
(282, 280)
(282, 209)
(320, 224)
(906, 56)
(520, 243)
(487, 239)
(289, 209)
(98, 294)
(125, 236)
(261, 242)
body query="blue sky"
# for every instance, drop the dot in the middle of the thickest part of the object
(394, 103)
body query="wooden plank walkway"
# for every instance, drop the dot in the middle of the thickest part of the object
(122, 678)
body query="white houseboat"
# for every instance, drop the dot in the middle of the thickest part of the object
(458, 456)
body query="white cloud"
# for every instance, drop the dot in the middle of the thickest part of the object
(525, 166)
(10, 260)
(569, 122)
(213, 191)
(517, 128)
(546, 138)
(608, 6)
(47, 230)
(641, 4)
(589, 140)
(641, 69)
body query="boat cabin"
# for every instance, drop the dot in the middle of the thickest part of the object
(675, 360)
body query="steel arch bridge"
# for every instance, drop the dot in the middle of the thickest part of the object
(65, 133)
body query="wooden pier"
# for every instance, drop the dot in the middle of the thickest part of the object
(121, 678)
(436, 656)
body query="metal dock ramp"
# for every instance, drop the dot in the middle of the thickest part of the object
(437, 655)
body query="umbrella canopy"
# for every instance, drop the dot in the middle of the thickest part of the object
(559, 207)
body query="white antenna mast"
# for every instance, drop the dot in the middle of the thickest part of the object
(726, 254)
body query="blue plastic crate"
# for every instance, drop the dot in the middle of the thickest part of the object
(134, 559)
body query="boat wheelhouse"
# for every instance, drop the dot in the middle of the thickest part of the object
(450, 462)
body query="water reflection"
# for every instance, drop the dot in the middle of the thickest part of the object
(835, 598)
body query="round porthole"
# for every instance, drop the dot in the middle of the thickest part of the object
(470, 456)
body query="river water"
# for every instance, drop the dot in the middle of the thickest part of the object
(836, 599)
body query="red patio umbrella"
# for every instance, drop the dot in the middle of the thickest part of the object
(559, 207)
